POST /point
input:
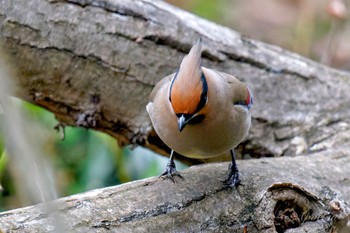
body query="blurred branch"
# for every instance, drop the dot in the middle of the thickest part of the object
(30, 167)
(338, 12)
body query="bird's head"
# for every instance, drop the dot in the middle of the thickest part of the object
(189, 89)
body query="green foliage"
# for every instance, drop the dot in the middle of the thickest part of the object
(84, 160)
(212, 10)
(2, 145)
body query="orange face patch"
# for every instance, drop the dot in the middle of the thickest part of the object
(187, 86)
(186, 97)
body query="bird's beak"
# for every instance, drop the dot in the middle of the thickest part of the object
(182, 121)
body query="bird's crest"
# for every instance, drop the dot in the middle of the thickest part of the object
(187, 85)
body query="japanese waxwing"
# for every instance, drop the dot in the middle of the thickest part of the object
(200, 113)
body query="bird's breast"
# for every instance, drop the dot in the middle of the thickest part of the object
(214, 135)
(224, 126)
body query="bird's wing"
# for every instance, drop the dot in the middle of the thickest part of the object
(240, 93)
(159, 85)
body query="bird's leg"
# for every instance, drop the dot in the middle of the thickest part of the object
(233, 179)
(170, 169)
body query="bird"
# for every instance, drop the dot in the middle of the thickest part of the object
(200, 113)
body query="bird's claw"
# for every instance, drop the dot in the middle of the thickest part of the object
(233, 179)
(170, 172)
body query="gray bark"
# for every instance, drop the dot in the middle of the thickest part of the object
(308, 199)
(94, 63)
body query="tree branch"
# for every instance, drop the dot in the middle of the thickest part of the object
(272, 197)
(94, 63)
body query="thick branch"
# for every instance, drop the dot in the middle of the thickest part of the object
(94, 63)
(273, 196)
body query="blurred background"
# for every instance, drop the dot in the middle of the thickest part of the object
(318, 29)
(86, 159)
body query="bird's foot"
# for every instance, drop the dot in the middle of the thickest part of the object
(170, 172)
(233, 179)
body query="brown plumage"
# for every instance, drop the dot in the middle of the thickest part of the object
(200, 113)
(185, 98)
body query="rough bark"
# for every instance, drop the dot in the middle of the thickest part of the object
(308, 201)
(94, 63)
